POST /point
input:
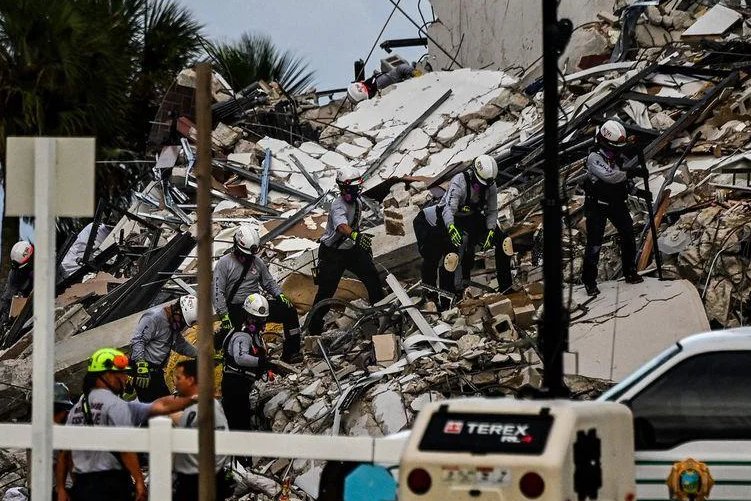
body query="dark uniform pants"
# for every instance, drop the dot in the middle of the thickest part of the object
(278, 313)
(186, 487)
(112, 485)
(236, 400)
(475, 226)
(597, 215)
(433, 245)
(157, 387)
(332, 263)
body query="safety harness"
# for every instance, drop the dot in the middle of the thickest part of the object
(229, 359)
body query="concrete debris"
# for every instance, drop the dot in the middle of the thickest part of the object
(690, 114)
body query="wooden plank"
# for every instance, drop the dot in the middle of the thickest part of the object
(649, 243)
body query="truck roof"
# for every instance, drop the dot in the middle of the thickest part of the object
(722, 340)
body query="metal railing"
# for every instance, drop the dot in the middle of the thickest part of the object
(160, 440)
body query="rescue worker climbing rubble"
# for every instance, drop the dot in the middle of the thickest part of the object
(245, 361)
(607, 189)
(241, 273)
(344, 247)
(465, 217)
(368, 88)
(21, 277)
(159, 331)
(115, 476)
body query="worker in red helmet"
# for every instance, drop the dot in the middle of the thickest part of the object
(21, 277)
(607, 190)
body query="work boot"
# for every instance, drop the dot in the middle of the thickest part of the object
(291, 347)
(591, 289)
(633, 278)
(384, 321)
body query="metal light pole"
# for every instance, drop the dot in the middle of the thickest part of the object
(206, 447)
(554, 327)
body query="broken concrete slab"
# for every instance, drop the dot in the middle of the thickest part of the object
(626, 325)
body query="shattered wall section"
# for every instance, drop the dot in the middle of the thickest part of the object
(498, 34)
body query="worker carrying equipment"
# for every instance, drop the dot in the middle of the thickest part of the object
(20, 278)
(344, 247)
(242, 272)
(366, 89)
(115, 473)
(159, 331)
(465, 217)
(245, 360)
(606, 189)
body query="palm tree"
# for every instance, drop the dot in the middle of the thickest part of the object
(254, 58)
(90, 67)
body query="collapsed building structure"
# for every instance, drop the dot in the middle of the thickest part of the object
(675, 74)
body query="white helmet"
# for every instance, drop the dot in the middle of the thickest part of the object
(21, 253)
(256, 305)
(357, 92)
(189, 307)
(348, 176)
(485, 169)
(612, 134)
(247, 239)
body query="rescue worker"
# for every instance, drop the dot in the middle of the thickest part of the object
(71, 262)
(465, 217)
(368, 88)
(241, 273)
(115, 476)
(245, 360)
(344, 247)
(185, 379)
(61, 405)
(159, 331)
(607, 189)
(21, 277)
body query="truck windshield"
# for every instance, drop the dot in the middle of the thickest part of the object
(614, 393)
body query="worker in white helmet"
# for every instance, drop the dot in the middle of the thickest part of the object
(466, 217)
(159, 331)
(344, 247)
(242, 272)
(21, 277)
(607, 190)
(366, 89)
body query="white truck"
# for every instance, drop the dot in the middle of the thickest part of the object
(693, 400)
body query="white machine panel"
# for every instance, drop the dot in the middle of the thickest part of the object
(514, 450)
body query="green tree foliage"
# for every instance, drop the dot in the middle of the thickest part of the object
(255, 57)
(91, 68)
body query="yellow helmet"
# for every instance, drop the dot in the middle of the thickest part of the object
(108, 360)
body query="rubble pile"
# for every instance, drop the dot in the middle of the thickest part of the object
(676, 76)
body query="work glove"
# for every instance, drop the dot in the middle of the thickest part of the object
(143, 375)
(226, 323)
(455, 235)
(284, 299)
(362, 240)
(489, 240)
